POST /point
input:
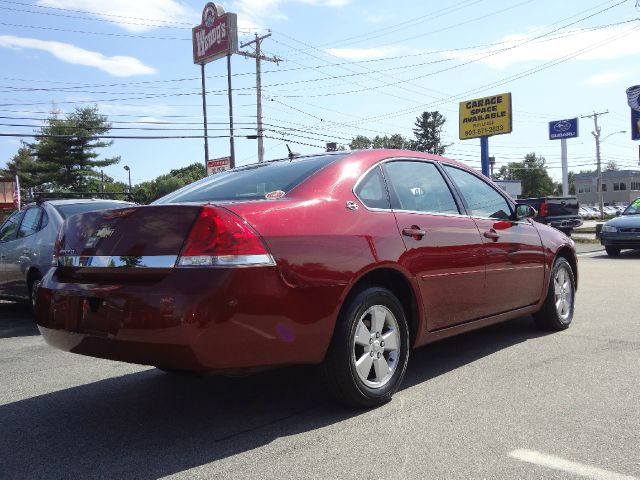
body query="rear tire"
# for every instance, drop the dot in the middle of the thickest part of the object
(34, 284)
(612, 251)
(368, 355)
(557, 310)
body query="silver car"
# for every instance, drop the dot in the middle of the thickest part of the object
(27, 239)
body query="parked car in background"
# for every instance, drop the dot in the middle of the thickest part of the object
(585, 213)
(27, 240)
(619, 208)
(345, 259)
(622, 232)
(558, 212)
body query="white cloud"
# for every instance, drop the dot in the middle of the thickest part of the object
(254, 14)
(604, 78)
(131, 15)
(119, 66)
(603, 44)
(364, 53)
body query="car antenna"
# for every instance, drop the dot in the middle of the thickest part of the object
(292, 154)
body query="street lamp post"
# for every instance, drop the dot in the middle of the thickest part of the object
(126, 167)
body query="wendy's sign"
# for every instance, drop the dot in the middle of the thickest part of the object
(216, 36)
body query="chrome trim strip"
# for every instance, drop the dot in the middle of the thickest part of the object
(116, 261)
(265, 260)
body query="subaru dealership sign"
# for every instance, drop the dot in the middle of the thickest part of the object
(563, 129)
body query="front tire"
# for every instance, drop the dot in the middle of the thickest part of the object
(612, 251)
(368, 355)
(557, 310)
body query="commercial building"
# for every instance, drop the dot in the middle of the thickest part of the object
(618, 187)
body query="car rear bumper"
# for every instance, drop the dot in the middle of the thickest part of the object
(566, 223)
(192, 319)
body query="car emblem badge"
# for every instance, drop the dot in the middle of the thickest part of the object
(104, 232)
(352, 205)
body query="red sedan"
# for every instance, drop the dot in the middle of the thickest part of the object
(348, 260)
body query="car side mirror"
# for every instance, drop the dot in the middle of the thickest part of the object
(618, 213)
(525, 211)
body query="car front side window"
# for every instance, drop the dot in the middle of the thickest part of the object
(481, 198)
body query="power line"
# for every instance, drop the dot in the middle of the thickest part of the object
(89, 12)
(120, 22)
(506, 80)
(85, 32)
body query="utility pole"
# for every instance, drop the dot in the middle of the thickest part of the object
(596, 135)
(204, 115)
(258, 56)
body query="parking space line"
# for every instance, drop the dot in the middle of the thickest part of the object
(575, 468)
(589, 254)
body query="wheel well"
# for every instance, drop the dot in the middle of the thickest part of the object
(398, 284)
(570, 257)
(32, 275)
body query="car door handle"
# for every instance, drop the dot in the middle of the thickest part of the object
(414, 232)
(491, 234)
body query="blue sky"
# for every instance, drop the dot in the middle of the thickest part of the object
(349, 67)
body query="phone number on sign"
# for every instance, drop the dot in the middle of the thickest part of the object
(483, 131)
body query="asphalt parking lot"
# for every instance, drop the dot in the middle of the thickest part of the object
(504, 402)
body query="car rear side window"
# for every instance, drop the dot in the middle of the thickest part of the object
(419, 186)
(10, 227)
(258, 181)
(30, 222)
(70, 209)
(481, 198)
(372, 191)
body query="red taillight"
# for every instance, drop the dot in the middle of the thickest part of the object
(219, 237)
(543, 209)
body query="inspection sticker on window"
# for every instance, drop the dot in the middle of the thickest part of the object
(274, 195)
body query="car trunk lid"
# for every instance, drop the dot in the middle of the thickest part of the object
(123, 239)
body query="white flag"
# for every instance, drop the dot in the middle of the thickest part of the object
(16, 194)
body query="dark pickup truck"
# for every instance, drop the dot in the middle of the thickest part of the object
(558, 212)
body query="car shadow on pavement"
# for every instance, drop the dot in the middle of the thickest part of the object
(625, 255)
(152, 424)
(447, 355)
(17, 320)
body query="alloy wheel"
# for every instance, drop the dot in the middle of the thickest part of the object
(563, 289)
(376, 346)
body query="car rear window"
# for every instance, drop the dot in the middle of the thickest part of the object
(258, 181)
(75, 208)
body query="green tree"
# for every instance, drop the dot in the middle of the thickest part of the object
(533, 175)
(66, 152)
(24, 166)
(428, 132)
(107, 184)
(360, 142)
(612, 166)
(395, 141)
(147, 192)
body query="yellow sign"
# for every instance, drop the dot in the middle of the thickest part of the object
(485, 116)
